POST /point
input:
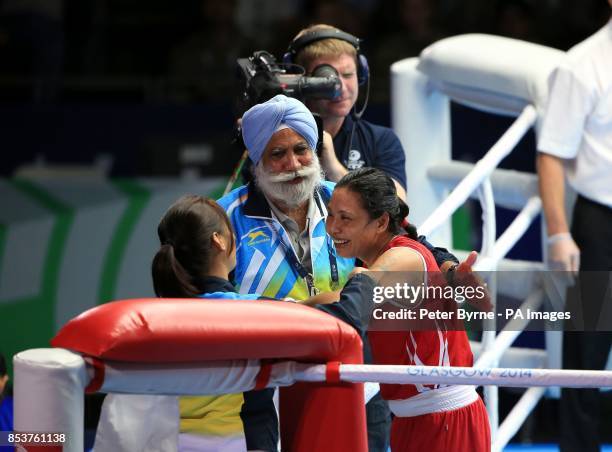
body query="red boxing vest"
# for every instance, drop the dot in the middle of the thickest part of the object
(435, 346)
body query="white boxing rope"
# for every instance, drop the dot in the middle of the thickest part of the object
(208, 377)
(491, 393)
(233, 376)
(482, 169)
(511, 189)
(180, 378)
(489, 224)
(489, 232)
(511, 235)
(513, 377)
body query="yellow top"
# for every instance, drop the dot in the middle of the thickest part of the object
(211, 415)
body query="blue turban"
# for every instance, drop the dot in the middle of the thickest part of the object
(260, 122)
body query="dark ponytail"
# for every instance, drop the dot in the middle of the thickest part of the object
(186, 252)
(170, 279)
(378, 195)
(404, 224)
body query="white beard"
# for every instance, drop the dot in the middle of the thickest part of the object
(275, 186)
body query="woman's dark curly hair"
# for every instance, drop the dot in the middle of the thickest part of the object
(378, 195)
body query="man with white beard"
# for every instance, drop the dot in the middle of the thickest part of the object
(290, 195)
(279, 220)
(282, 249)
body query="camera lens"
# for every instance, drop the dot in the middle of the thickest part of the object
(324, 70)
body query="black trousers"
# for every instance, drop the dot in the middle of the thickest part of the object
(587, 338)
(378, 415)
(378, 419)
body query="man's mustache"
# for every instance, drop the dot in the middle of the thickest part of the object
(307, 171)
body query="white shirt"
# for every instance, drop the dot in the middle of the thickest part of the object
(299, 240)
(578, 120)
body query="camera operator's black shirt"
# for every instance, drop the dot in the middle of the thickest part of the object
(378, 147)
(372, 145)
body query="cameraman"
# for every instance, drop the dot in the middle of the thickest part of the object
(349, 142)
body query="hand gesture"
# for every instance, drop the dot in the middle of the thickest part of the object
(465, 277)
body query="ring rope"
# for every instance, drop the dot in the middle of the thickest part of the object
(515, 377)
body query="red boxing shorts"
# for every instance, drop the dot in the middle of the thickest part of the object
(465, 429)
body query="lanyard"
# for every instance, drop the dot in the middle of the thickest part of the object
(333, 264)
(298, 266)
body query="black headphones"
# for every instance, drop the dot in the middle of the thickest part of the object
(363, 70)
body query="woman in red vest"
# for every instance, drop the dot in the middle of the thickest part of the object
(366, 220)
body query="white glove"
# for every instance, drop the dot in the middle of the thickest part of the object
(563, 253)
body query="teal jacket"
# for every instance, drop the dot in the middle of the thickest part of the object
(263, 266)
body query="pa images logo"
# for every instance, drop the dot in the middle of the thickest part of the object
(256, 237)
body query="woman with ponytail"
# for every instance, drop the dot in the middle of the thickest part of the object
(197, 247)
(197, 252)
(196, 255)
(367, 220)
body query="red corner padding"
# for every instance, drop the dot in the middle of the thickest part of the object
(313, 416)
(174, 330)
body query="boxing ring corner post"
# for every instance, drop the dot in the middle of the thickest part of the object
(49, 390)
(421, 117)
